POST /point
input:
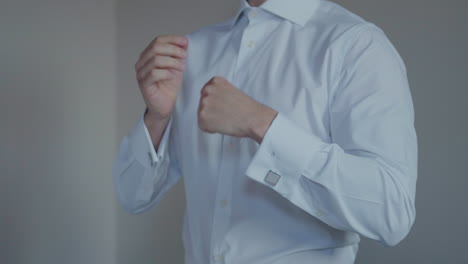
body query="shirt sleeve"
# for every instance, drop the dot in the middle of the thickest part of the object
(141, 174)
(364, 180)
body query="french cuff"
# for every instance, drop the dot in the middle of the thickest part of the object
(158, 155)
(143, 147)
(283, 155)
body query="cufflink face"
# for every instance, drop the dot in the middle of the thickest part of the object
(272, 178)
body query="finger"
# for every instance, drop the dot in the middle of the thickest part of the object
(156, 75)
(170, 50)
(180, 41)
(162, 50)
(206, 90)
(160, 62)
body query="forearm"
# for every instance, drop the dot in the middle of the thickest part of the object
(357, 191)
(141, 180)
(260, 122)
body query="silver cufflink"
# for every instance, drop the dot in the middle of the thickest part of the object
(272, 178)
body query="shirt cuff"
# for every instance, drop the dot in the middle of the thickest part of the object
(142, 145)
(283, 155)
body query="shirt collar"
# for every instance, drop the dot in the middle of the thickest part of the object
(297, 11)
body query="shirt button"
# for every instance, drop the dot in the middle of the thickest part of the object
(217, 258)
(253, 13)
(251, 44)
(223, 203)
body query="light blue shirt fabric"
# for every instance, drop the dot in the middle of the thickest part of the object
(338, 161)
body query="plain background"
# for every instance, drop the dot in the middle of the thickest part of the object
(68, 96)
(58, 131)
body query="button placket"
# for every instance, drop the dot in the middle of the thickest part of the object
(222, 213)
(253, 13)
(247, 46)
(150, 157)
(223, 203)
(230, 144)
(217, 258)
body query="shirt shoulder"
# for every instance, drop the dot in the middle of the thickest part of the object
(346, 31)
(336, 22)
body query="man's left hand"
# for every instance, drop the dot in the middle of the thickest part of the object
(225, 109)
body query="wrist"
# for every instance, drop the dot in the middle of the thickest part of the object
(155, 126)
(261, 122)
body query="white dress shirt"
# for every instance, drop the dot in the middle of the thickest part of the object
(338, 161)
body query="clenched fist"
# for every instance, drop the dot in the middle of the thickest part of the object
(159, 73)
(225, 109)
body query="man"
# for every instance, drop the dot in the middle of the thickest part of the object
(292, 126)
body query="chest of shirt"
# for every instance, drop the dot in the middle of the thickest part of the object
(274, 64)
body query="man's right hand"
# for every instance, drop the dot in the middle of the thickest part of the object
(159, 73)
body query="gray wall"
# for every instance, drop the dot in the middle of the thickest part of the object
(429, 35)
(57, 132)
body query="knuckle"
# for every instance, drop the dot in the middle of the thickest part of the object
(206, 90)
(209, 89)
(217, 79)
